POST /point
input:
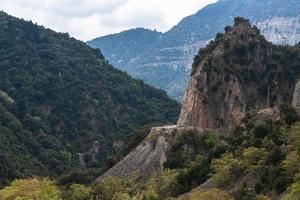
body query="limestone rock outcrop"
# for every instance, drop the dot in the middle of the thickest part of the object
(296, 97)
(237, 73)
(150, 155)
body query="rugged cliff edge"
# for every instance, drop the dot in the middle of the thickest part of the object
(237, 73)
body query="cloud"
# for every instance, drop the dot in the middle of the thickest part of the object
(84, 8)
(87, 19)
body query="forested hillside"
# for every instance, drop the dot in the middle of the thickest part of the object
(59, 97)
(237, 137)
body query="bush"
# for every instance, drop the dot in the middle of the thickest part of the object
(213, 194)
(261, 130)
(291, 164)
(288, 114)
(239, 20)
(193, 175)
(79, 192)
(281, 184)
(245, 193)
(178, 155)
(110, 186)
(77, 176)
(293, 192)
(254, 158)
(162, 184)
(31, 189)
(211, 139)
(226, 169)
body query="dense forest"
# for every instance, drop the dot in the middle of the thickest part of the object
(262, 157)
(59, 97)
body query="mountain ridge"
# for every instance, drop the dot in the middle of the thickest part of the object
(166, 64)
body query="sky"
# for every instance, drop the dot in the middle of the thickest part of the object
(88, 19)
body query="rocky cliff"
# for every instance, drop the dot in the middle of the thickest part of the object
(239, 72)
(243, 86)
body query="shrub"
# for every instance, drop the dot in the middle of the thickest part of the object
(254, 158)
(226, 169)
(79, 192)
(288, 114)
(291, 164)
(211, 139)
(31, 189)
(107, 188)
(195, 173)
(281, 184)
(245, 193)
(214, 194)
(293, 192)
(162, 184)
(261, 130)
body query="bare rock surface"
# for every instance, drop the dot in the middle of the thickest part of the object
(222, 89)
(296, 97)
(150, 155)
(267, 113)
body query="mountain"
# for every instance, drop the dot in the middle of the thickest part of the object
(237, 134)
(60, 98)
(166, 63)
(139, 40)
(237, 137)
(239, 72)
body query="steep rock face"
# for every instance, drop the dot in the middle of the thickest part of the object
(195, 108)
(238, 72)
(150, 155)
(296, 97)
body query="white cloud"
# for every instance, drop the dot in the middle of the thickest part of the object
(87, 19)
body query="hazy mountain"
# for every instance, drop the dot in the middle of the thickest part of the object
(166, 63)
(139, 40)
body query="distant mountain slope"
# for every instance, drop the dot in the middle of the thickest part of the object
(139, 40)
(60, 97)
(166, 64)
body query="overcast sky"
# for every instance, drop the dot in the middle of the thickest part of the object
(87, 19)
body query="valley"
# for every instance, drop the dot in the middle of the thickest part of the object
(74, 127)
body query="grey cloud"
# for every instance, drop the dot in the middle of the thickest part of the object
(87, 19)
(84, 8)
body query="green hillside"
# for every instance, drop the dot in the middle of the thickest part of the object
(60, 97)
